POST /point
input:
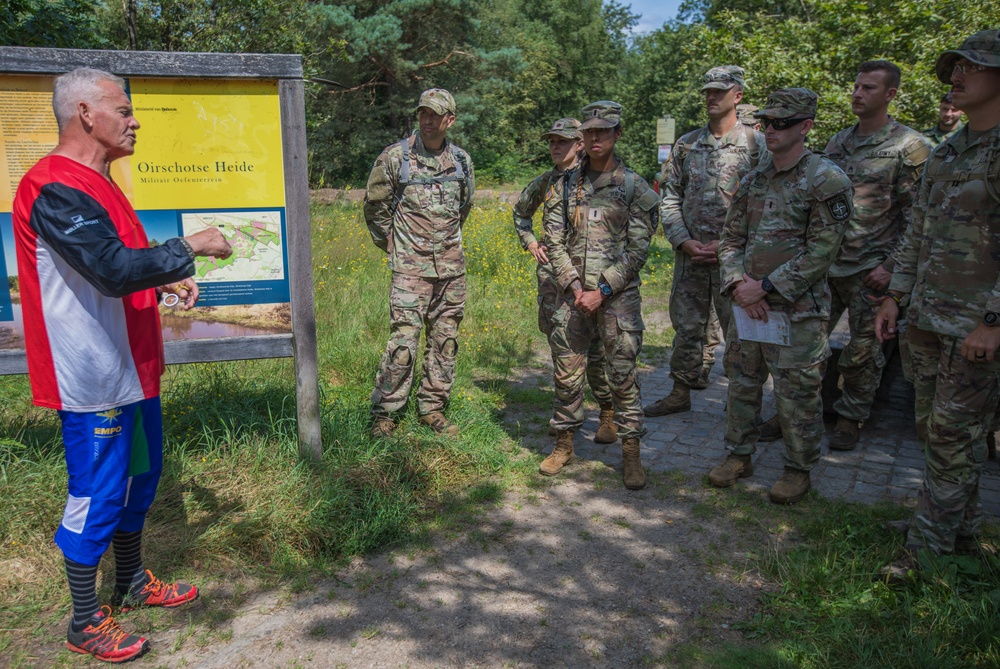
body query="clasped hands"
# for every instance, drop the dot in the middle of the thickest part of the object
(586, 301)
(749, 295)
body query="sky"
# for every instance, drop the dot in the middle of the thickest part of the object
(654, 13)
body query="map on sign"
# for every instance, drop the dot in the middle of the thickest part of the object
(256, 240)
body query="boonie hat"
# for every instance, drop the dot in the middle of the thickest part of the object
(723, 77)
(438, 101)
(983, 48)
(566, 128)
(790, 103)
(602, 114)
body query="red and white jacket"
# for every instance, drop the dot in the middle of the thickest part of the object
(87, 274)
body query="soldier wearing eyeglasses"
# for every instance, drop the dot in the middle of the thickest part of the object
(702, 175)
(947, 267)
(884, 160)
(781, 235)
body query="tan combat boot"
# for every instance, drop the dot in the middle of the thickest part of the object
(437, 422)
(678, 400)
(845, 434)
(770, 430)
(560, 456)
(732, 468)
(791, 487)
(607, 433)
(383, 427)
(633, 473)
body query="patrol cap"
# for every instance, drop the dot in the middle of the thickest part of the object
(565, 128)
(723, 77)
(602, 114)
(983, 48)
(745, 112)
(438, 101)
(789, 103)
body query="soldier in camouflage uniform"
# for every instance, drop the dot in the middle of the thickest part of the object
(947, 268)
(781, 235)
(565, 144)
(949, 121)
(883, 159)
(702, 174)
(418, 197)
(599, 222)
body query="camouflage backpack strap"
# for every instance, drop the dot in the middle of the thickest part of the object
(751, 136)
(992, 176)
(569, 183)
(629, 187)
(404, 175)
(462, 174)
(814, 162)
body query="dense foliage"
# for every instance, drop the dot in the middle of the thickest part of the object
(517, 65)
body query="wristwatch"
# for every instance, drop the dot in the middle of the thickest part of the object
(991, 319)
(606, 289)
(766, 285)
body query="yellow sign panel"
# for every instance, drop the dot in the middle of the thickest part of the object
(207, 144)
(202, 144)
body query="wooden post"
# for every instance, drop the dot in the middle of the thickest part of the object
(293, 139)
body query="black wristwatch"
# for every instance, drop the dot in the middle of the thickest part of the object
(604, 288)
(766, 285)
(991, 319)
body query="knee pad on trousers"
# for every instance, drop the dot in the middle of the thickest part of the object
(402, 356)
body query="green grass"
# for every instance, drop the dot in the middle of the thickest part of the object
(829, 608)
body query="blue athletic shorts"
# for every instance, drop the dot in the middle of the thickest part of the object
(114, 459)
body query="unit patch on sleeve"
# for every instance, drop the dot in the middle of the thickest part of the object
(840, 208)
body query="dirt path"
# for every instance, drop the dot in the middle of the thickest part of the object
(580, 573)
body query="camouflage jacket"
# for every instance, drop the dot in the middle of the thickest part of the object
(701, 178)
(422, 230)
(885, 170)
(532, 197)
(949, 259)
(601, 235)
(787, 226)
(936, 135)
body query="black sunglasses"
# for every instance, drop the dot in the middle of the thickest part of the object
(781, 123)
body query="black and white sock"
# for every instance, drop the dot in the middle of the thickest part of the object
(129, 572)
(83, 589)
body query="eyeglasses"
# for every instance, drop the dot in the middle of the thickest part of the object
(722, 77)
(781, 123)
(967, 68)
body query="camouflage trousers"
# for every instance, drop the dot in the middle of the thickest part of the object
(696, 309)
(955, 403)
(618, 324)
(548, 303)
(415, 302)
(861, 361)
(797, 371)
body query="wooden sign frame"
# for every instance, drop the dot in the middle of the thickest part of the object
(287, 70)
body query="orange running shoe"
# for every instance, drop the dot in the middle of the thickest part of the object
(106, 640)
(158, 593)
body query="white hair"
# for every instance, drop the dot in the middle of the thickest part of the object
(76, 86)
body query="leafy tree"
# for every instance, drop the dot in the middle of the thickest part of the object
(50, 23)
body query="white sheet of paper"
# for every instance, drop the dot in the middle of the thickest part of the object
(777, 329)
